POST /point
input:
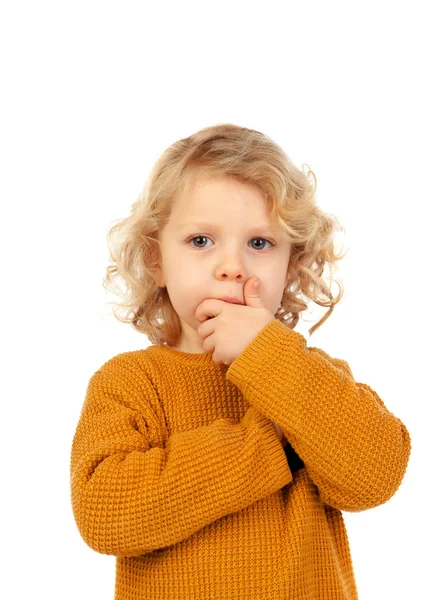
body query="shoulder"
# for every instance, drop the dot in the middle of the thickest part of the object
(135, 364)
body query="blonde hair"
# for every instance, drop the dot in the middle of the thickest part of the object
(249, 157)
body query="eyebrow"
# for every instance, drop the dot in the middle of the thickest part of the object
(261, 227)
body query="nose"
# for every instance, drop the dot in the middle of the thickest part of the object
(230, 264)
(231, 269)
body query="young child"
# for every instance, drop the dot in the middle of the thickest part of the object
(216, 462)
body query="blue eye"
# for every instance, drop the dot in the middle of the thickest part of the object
(204, 237)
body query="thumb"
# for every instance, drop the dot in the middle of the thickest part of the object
(252, 294)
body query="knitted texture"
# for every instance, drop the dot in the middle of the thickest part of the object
(176, 469)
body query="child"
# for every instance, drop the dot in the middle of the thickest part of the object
(216, 462)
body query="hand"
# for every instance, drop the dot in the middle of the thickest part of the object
(231, 327)
(281, 436)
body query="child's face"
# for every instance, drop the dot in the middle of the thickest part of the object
(230, 247)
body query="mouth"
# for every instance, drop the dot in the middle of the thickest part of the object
(232, 300)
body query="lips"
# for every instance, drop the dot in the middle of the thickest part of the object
(232, 300)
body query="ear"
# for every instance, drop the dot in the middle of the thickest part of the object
(160, 280)
(152, 256)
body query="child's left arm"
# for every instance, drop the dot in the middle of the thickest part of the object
(354, 449)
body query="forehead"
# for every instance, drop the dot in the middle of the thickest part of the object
(211, 200)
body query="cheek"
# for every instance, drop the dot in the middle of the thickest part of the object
(184, 277)
(272, 297)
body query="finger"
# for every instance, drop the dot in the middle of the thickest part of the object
(201, 313)
(208, 308)
(206, 328)
(208, 344)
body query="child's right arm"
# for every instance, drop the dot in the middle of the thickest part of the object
(135, 488)
(280, 434)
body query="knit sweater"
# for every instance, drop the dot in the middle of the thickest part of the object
(177, 470)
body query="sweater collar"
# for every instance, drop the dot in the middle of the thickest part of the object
(202, 359)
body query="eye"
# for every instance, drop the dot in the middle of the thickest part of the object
(204, 237)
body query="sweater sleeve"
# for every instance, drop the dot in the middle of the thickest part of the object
(354, 449)
(135, 489)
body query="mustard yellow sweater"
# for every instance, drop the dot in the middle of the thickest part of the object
(176, 469)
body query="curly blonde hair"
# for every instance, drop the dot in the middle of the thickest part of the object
(249, 157)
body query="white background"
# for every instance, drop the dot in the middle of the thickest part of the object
(92, 93)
